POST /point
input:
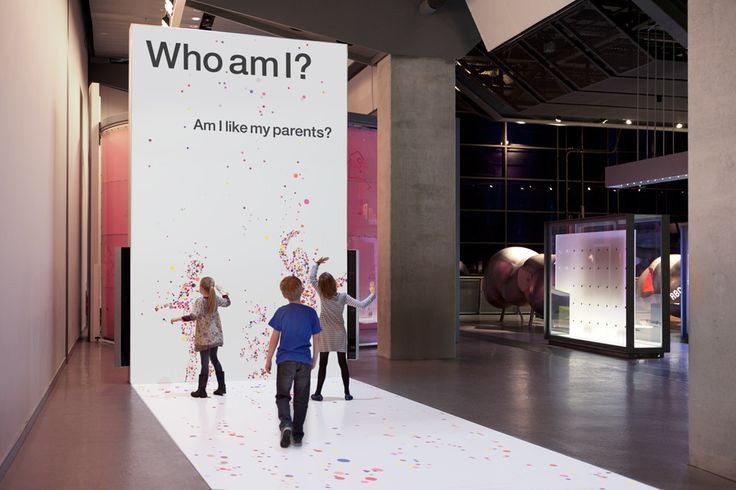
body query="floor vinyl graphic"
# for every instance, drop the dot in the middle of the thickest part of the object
(378, 440)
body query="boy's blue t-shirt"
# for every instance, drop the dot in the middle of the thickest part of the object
(297, 323)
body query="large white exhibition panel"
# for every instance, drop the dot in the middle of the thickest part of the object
(238, 171)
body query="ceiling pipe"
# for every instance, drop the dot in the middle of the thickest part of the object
(428, 7)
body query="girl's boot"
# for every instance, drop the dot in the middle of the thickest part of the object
(202, 387)
(220, 383)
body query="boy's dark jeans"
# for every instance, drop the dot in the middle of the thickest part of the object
(298, 374)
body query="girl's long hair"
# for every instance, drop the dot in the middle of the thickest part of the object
(208, 284)
(327, 285)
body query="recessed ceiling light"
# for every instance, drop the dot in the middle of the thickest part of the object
(558, 119)
(520, 122)
(678, 125)
(604, 121)
(628, 121)
(196, 18)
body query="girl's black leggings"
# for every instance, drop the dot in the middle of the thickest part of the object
(342, 360)
(209, 355)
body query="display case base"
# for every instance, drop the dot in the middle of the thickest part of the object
(607, 350)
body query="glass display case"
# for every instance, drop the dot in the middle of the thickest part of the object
(607, 284)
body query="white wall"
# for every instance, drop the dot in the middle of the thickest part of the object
(33, 135)
(362, 93)
(78, 125)
(114, 101)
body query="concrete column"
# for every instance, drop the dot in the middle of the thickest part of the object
(417, 234)
(712, 174)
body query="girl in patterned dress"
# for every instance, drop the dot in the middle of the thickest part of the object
(333, 337)
(208, 334)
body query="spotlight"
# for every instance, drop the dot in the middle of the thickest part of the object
(604, 121)
(207, 21)
(558, 119)
(588, 188)
(678, 125)
(628, 122)
(520, 122)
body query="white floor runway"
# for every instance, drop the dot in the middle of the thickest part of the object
(379, 440)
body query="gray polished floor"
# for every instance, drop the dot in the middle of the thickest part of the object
(627, 416)
(96, 433)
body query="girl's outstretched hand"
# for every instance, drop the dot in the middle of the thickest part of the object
(174, 320)
(372, 287)
(322, 260)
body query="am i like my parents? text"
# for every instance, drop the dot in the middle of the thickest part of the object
(230, 126)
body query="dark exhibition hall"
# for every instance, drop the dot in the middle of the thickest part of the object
(441, 244)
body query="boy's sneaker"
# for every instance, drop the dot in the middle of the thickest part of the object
(285, 436)
(297, 440)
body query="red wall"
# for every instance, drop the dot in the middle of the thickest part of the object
(362, 211)
(115, 198)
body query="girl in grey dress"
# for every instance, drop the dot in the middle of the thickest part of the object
(333, 337)
(208, 334)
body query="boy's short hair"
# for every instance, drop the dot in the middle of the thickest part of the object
(292, 288)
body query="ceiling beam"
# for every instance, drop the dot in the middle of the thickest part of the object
(549, 67)
(668, 16)
(623, 31)
(480, 95)
(586, 51)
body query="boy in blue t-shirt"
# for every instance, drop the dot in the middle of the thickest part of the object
(293, 325)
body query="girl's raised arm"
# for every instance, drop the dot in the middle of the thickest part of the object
(362, 304)
(313, 275)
